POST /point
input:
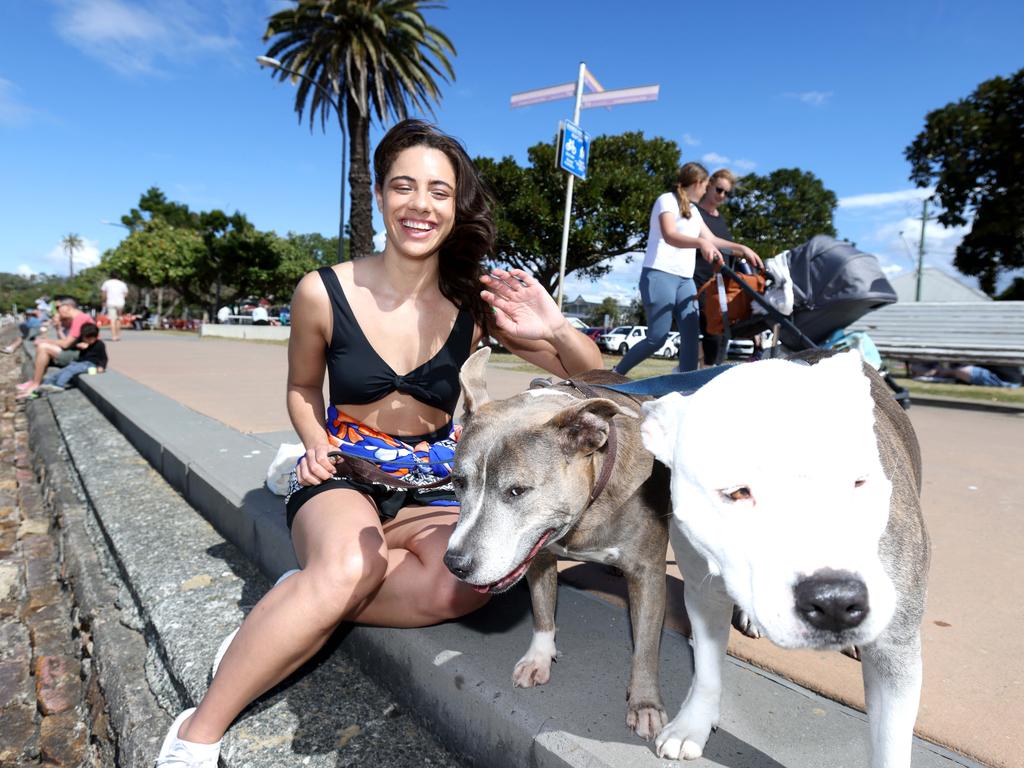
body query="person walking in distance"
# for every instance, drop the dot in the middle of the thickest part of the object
(114, 291)
(392, 331)
(666, 280)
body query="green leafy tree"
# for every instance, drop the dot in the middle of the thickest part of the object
(379, 57)
(158, 255)
(608, 308)
(153, 204)
(971, 150)
(299, 254)
(610, 213)
(71, 243)
(779, 211)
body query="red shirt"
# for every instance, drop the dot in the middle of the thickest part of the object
(75, 329)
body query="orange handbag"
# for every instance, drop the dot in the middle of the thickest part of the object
(738, 302)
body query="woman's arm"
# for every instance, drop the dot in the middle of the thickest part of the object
(672, 236)
(742, 250)
(306, 365)
(527, 322)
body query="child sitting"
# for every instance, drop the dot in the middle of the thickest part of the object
(92, 354)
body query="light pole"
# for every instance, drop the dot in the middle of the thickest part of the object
(266, 61)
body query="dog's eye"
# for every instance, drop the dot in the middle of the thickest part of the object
(513, 491)
(739, 493)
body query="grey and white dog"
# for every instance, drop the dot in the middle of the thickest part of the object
(809, 518)
(529, 472)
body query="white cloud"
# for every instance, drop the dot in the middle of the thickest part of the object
(25, 270)
(136, 38)
(690, 141)
(879, 199)
(744, 165)
(12, 110)
(714, 158)
(379, 240)
(811, 98)
(622, 283)
(87, 256)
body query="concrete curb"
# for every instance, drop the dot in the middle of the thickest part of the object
(455, 676)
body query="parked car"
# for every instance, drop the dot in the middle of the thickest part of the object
(622, 339)
(596, 333)
(671, 346)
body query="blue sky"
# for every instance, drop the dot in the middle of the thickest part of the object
(101, 99)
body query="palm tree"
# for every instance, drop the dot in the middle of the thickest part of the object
(379, 56)
(71, 242)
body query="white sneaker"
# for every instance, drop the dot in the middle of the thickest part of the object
(223, 648)
(178, 753)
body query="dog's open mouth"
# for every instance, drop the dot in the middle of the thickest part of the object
(508, 581)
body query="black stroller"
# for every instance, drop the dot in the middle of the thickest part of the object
(833, 285)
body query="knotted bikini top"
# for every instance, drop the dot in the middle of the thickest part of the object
(358, 375)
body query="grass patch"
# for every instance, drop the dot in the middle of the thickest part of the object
(653, 366)
(1003, 395)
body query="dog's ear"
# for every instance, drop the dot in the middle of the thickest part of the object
(660, 425)
(583, 426)
(473, 380)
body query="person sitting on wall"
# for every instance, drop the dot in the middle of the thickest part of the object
(61, 352)
(92, 358)
(979, 375)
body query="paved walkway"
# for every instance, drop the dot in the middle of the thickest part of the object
(973, 698)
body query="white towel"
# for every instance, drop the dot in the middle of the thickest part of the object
(281, 467)
(780, 294)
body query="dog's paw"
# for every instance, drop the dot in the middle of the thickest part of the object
(743, 623)
(531, 672)
(684, 738)
(646, 719)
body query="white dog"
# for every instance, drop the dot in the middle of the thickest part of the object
(806, 513)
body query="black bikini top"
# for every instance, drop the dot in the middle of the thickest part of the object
(358, 375)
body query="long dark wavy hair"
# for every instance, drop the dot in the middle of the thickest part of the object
(462, 255)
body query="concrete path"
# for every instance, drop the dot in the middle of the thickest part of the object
(973, 698)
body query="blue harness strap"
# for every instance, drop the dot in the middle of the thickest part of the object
(656, 386)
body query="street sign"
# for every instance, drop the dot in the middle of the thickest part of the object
(573, 149)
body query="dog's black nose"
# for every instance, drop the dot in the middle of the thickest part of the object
(831, 600)
(458, 563)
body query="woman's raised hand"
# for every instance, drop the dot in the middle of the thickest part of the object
(522, 307)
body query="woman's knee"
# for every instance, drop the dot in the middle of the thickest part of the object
(342, 580)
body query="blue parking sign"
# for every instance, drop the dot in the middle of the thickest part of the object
(573, 149)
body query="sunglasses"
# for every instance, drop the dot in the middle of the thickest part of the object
(723, 192)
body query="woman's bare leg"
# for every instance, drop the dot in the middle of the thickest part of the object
(419, 590)
(341, 546)
(404, 583)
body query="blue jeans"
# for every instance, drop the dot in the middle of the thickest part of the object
(64, 376)
(983, 377)
(666, 296)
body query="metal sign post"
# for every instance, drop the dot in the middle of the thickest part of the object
(568, 196)
(575, 161)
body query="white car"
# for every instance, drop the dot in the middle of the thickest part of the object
(622, 339)
(671, 346)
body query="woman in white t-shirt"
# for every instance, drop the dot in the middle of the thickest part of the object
(667, 289)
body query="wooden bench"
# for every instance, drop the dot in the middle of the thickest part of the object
(984, 332)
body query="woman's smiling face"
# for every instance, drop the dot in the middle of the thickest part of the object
(417, 201)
